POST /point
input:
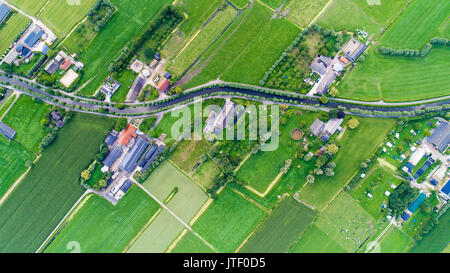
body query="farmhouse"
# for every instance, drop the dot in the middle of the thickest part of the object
(317, 127)
(130, 160)
(353, 49)
(28, 43)
(440, 137)
(136, 88)
(4, 11)
(320, 64)
(112, 156)
(163, 85)
(111, 138)
(66, 64)
(130, 132)
(52, 67)
(227, 117)
(326, 129)
(110, 86)
(136, 66)
(7, 131)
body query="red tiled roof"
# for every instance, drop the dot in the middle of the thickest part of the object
(66, 64)
(129, 132)
(163, 84)
(344, 60)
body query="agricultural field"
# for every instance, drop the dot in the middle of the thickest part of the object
(355, 146)
(202, 40)
(13, 159)
(236, 55)
(396, 241)
(188, 153)
(32, 7)
(114, 36)
(51, 187)
(111, 228)
(314, 240)
(227, 222)
(61, 17)
(347, 223)
(191, 243)
(240, 4)
(438, 238)
(270, 162)
(300, 11)
(181, 195)
(10, 29)
(281, 229)
(198, 12)
(6, 104)
(206, 173)
(25, 117)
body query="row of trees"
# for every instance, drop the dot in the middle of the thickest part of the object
(415, 52)
(100, 14)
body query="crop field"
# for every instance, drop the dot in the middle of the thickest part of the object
(281, 229)
(25, 117)
(347, 223)
(188, 153)
(399, 78)
(201, 42)
(314, 240)
(114, 36)
(32, 7)
(236, 55)
(270, 162)
(181, 195)
(396, 241)
(227, 222)
(12, 163)
(61, 17)
(10, 29)
(377, 184)
(51, 187)
(198, 12)
(99, 226)
(191, 244)
(355, 146)
(417, 25)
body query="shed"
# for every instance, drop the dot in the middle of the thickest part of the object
(4, 11)
(7, 131)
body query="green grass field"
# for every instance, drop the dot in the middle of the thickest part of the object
(438, 238)
(227, 222)
(270, 162)
(355, 146)
(281, 229)
(191, 244)
(131, 19)
(25, 117)
(188, 153)
(304, 11)
(200, 43)
(126, 79)
(398, 78)
(10, 29)
(396, 241)
(51, 187)
(417, 25)
(188, 198)
(240, 4)
(236, 55)
(61, 17)
(12, 163)
(32, 7)
(99, 226)
(206, 173)
(6, 104)
(314, 240)
(347, 223)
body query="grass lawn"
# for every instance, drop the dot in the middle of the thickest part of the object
(101, 227)
(355, 146)
(80, 38)
(61, 17)
(128, 22)
(236, 55)
(314, 240)
(10, 29)
(240, 4)
(417, 25)
(6, 104)
(126, 79)
(384, 13)
(198, 12)
(415, 223)
(398, 78)
(281, 229)
(25, 117)
(191, 244)
(304, 11)
(206, 173)
(345, 15)
(12, 163)
(207, 35)
(228, 221)
(32, 7)
(396, 241)
(188, 153)
(51, 187)
(347, 223)
(377, 184)
(438, 238)
(270, 162)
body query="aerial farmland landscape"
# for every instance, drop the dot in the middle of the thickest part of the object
(224, 126)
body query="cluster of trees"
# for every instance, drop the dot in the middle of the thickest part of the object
(323, 163)
(121, 124)
(147, 124)
(100, 14)
(400, 198)
(415, 52)
(52, 131)
(3, 91)
(440, 41)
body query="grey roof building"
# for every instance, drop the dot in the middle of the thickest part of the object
(7, 131)
(129, 163)
(317, 127)
(441, 136)
(52, 67)
(33, 35)
(111, 138)
(113, 155)
(126, 186)
(356, 49)
(136, 89)
(4, 11)
(152, 158)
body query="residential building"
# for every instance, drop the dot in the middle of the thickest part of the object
(163, 85)
(440, 138)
